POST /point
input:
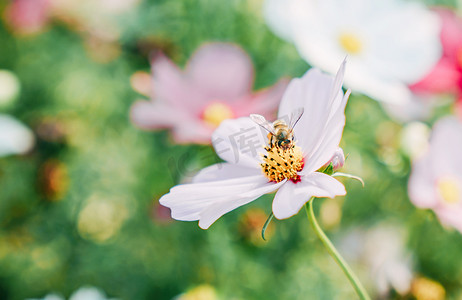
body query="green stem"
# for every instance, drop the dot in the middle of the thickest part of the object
(334, 253)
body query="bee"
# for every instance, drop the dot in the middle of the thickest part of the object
(280, 133)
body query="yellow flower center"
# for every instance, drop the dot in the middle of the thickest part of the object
(448, 188)
(217, 112)
(350, 43)
(282, 163)
(202, 292)
(426, 289)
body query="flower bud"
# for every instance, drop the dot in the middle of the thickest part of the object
(338, 159)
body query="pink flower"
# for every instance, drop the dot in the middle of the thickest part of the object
(436, 178)
(215, 85)
(446, 76)
(27, 16)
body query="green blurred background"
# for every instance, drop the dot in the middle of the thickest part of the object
(82, 207)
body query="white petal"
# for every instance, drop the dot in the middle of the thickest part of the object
(15, 138)
(390, 90)
(320, 128)
(418, 39)
(240, 141)
(421, 187)
(446, 145)
(215, 211)
(336, 94)
(419, 107)
(329, 140)
(187, 200)
(311, 90)
(278, 14)
(320, 96)
(207, 201)
(223, 171)
(292, 196)
(88, 293)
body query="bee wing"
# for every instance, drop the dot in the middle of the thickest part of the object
(260, 120)
(295, 117)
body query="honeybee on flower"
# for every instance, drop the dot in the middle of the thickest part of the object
(283, 160)
(290, 159)
(280, 133)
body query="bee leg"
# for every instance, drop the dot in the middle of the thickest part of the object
(272, 141)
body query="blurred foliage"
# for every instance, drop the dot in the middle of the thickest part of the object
(81, 208)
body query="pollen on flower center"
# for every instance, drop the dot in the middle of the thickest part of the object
(449, 190)
(350, 43)
(217, 112)
(282, 163)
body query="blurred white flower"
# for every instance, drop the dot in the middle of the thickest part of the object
(15, 138)
(419, 108)
(390, 43)
(88, 293)
(9, 87)
(83, 293)
(386, 255)
(414, 139)
(49, 297)
(382, 250)
(101, 219)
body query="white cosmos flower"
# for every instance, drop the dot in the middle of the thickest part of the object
(88, 293)
(390, 43)
(83, 293)
(49, 297)
(223, 187)
(382, 251)
(15, 138)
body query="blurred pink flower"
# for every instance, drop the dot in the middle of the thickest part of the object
(459, 108)
(215, 85)
(436, 178)
(27, 16)
(446, 76)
